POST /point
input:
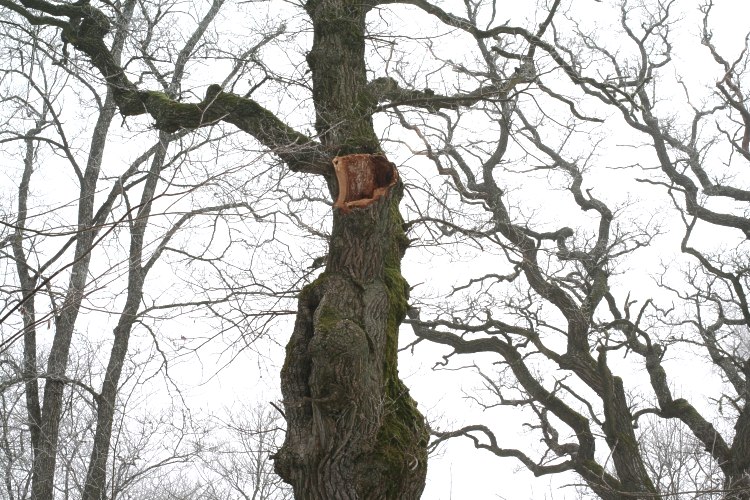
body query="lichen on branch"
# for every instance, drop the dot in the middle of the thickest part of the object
(85, 29)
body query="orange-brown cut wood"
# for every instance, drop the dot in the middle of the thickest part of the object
(362, 179)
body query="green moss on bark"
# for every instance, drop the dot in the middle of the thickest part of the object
(401, 445)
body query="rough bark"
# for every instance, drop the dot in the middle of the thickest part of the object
(619, 434)
(343, 103)
(353, 430)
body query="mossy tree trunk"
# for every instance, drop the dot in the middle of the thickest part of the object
(353, 430)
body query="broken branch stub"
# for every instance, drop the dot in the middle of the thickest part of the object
(362, 179)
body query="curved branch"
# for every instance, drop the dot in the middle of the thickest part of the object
(536, 468)
(300, 152)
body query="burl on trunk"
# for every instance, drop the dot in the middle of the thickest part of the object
(353, 430)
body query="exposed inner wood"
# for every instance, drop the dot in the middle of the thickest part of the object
(362, 179)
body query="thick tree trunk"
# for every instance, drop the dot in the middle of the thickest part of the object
(353, 431)
(337, 63)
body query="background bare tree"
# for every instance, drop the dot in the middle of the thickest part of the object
(567, 332)
(243, 462)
